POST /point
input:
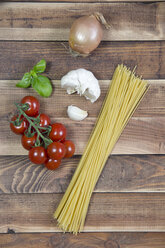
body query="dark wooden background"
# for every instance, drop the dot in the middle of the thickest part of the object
(127, 209)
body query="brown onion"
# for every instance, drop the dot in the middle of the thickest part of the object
(86, 34)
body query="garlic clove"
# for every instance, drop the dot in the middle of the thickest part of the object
(76, 114)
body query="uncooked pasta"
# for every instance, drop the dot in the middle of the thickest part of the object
(124, 94)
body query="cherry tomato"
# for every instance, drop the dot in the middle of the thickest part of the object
(44, 120)
(37, 155)
(52, 164)
(28, 142)
(56, 150)
(19, 129)
(70, 148)
(33, 103)
(58, 132)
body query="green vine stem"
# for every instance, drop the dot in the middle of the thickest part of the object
(31, 120)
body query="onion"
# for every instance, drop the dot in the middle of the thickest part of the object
(86, 34)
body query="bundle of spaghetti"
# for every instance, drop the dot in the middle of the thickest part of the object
(124, 94)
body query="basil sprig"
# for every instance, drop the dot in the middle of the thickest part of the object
(40, 83)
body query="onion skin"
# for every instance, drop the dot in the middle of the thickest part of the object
(85, 35)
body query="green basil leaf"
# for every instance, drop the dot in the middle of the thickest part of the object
(40, 66)
(25, 82)
(42, 85)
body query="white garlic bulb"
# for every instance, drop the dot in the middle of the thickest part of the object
(83, 82)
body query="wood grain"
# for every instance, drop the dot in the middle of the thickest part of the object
(141, 136)
(107, 212)
(136, 37)
(121, 174)
(153, 104)
(52, 21)
(83, 240)
(18, 58)
(86, 1)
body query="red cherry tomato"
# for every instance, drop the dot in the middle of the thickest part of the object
(52, 164)
(70, 148)
(19, 129)
(56, 150)
(58, 132)
(44, 120)
(28, 142)
(33, 103)
(37, 155)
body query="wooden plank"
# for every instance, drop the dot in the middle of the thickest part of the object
(107, 212)
(18, 57)
(143, 135)
(121, 174)
(52, 21)
(153, 104)
(83, 240)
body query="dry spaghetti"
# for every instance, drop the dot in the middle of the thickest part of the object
(123, 97)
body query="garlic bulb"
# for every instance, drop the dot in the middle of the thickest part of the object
(83, 82)
(76, 114)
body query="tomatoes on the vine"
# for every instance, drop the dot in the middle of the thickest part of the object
(70, 148)
(37, 155)
(33, 103)
(20, 127)
(58, 132)
(52, 164)
(56, 150)
(44, 120)
(45, 142)
(28, 142)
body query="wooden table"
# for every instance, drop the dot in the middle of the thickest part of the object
(127, 209)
